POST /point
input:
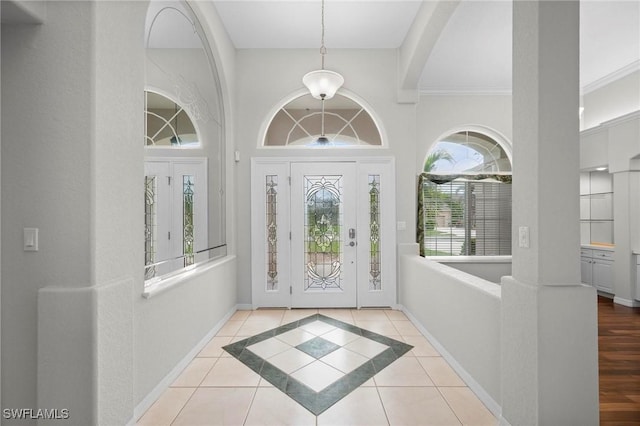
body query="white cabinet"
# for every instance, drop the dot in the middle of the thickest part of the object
(586, 266)
(596, 268)
(636, 256)
(603, 275)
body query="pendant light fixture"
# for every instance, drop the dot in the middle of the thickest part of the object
(322, 84)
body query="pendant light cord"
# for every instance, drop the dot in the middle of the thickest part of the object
(323, 49)
(322, 115)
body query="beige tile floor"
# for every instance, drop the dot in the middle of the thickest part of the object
(418, 389)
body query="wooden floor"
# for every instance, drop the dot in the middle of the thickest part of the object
(619, 363)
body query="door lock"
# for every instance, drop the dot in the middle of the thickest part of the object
(352, 243)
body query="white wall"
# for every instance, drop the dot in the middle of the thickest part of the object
(612, 100)
(266, 78)
(462, 313)
(46, 74)
(492, 271)
(169, 325)
(23, 12)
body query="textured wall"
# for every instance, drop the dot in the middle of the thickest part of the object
(46, 175)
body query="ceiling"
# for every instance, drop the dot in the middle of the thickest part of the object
(472, 54)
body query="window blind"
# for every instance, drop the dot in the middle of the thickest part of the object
(464, 217)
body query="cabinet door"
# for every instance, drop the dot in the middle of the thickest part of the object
(603, 275)
(586, 271)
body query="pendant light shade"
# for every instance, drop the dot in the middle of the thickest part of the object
(323, 83)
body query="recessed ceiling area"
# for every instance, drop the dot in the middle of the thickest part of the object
(296, 23)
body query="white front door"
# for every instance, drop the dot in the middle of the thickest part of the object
(176, 226)
(323, 234)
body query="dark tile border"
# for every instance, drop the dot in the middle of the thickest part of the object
(317, 402)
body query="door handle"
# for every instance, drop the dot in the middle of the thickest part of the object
(351, 244)
(352, 233)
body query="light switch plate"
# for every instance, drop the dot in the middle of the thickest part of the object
(30, 239)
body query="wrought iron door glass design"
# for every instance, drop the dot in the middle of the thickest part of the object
(271, 208)
(149, 226)
(374, 233)
(187, 219)
(323, 222)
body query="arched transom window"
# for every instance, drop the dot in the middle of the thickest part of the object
(467, 152)
(300, 123)
(167, 123)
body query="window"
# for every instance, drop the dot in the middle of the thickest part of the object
(167, 124)
(301, 121)
(464, 198)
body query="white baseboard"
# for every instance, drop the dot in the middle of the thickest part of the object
(475, 387)
(148, 401)
(244, 307)
(605, 294)
(626, 302)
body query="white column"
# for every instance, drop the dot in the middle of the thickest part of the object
(85, 326)
(549, 321)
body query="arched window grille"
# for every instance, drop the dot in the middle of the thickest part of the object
(299, 123)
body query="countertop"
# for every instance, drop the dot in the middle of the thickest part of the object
(607, 247)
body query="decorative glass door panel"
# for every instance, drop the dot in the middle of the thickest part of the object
(323, 234)
(322, 223)
(374, 233)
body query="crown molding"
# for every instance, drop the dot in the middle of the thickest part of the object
(467, 91)
(610, 78)
(501, 91)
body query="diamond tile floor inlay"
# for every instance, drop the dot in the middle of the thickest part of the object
(419, 388)
(317, 360)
